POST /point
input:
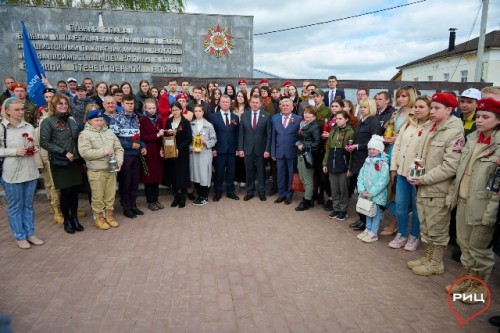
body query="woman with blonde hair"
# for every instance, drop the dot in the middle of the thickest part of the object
(20, 172)
(405, 100)
(367, 126)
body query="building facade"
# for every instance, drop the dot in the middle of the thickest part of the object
(457, 63)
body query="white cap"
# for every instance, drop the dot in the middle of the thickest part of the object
(376, 142)
(71, 79)
(471, 93)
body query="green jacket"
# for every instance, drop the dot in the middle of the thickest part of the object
(60, 136)
(322, 113)
(30, 109)
(338, 138)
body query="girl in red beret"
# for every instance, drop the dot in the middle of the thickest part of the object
(476, 206)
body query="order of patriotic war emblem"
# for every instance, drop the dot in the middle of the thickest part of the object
(218, 41)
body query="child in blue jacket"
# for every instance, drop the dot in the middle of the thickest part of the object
(372, 185)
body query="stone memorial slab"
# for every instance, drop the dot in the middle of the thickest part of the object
(123, 45)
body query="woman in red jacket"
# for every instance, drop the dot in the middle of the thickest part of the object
(152, 169)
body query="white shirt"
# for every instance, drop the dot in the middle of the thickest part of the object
(287, 120)
(223, 114)
(257, 113)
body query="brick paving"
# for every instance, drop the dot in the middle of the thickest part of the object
(231, 266)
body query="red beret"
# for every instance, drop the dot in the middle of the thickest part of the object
(17, 85)
(264, 81)
(446, 99)
(488, 104)
(182, 96)
(287, 83)
(242, 81)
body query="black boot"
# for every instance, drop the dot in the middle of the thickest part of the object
(175, 203)
(68, 225)
(361, 226)
(182, 200)
(356, 224)
(76, 225)
(305, 204)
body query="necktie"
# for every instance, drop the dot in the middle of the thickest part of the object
(254, 123)
(332, 96)
(227, 119)
(285, 118)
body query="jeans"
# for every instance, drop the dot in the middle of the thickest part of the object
(373, 223)
(406, 196)
(20, 197)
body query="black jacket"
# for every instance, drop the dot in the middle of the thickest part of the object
(310, 137)
(362, 134)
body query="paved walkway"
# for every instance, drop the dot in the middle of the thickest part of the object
(231, 266)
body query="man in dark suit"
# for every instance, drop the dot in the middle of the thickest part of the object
(283, 149)
(197, 99)
(226, 128)
(254, 144)
(333, 93)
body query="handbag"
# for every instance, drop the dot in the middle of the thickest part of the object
(366, 207)
(308, 159)
(58, 160)
(5, 146)
(297, 184)
(169, 147)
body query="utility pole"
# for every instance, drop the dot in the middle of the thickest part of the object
(480, 47)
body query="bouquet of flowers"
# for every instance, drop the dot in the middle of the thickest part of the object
(135, 139)
(29, 144)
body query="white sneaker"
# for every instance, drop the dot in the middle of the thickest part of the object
(363, 234)
(370, 237)
(412, 243)
(398, 241)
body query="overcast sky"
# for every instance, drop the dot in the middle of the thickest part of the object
(368, 47)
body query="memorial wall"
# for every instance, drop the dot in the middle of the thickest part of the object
(122, 45)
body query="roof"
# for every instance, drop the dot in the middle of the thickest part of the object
(262, 74)
(492, 39)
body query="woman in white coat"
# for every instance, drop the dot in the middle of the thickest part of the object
(200, 157)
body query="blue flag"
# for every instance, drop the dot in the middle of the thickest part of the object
(34, 71)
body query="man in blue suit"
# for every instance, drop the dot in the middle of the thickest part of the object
(283, 149)
(333, 93)
(254, 144)
(226, 128)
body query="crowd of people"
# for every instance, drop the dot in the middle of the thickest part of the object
(427, 157)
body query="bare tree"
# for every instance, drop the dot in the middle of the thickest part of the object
(151, 5)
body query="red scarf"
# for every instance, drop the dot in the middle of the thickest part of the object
(482, 139)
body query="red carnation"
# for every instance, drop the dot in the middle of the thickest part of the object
(135, 137)
(377, 166)
(25, 135)
(30, 139)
